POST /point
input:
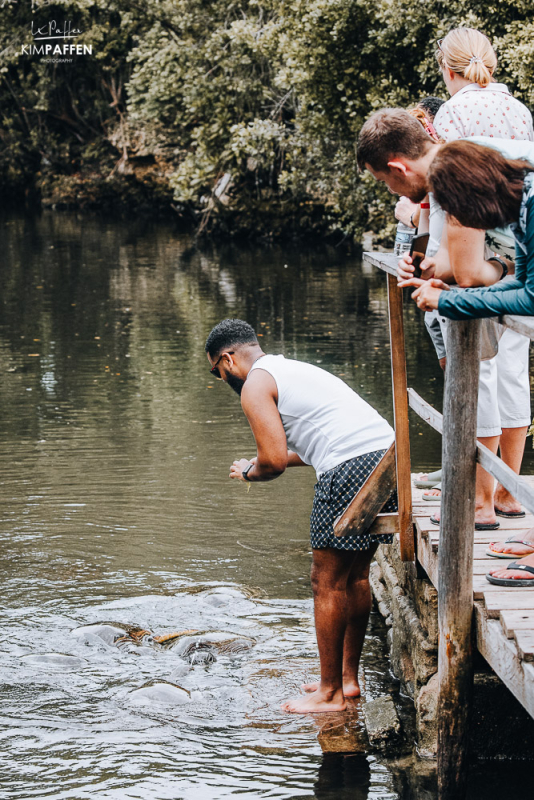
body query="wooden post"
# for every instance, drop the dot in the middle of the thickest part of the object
(455, 581)
(402, 432)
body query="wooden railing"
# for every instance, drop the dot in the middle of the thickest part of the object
(460, 454)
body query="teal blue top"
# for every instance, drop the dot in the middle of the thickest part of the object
(511, 296)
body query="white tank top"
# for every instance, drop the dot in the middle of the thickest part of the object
(325, 421)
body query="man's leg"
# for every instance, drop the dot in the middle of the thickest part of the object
(359, 604)
(330, 572)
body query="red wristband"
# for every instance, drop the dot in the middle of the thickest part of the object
(425, 205)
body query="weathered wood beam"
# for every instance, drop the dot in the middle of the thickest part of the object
(375, 492)
(402, 430)
(455, 557)
(524, 325)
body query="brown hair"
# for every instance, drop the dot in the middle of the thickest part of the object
(476, 185)
(469, 53)
(388, 133)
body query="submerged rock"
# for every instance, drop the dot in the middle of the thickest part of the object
(164, 692)
(59, 660)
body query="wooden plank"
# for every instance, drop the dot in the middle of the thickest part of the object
(503, 657)
(402, 430)
(525, 644)
(424, 410)
(455, 557)
(513, 620)
(375, 492)
(387, 262)
(520, 600)
(385, 523)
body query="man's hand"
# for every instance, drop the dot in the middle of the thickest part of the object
(404, 210)
(427, 293)
(236, 470)
(405, 268)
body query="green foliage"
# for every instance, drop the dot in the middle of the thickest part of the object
(245, 113)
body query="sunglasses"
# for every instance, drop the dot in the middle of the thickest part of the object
(215, 369)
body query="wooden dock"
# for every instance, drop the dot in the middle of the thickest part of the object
(453, 555)
(503, 617)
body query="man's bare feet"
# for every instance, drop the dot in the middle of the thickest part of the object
(350, 688)
(504, 501)
(319, 702)
(516, 574)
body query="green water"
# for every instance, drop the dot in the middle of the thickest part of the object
(115, 445)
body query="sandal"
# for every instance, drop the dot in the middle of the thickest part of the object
(431, 479)
(479, 526)
(514, 581)
(497, 554)
(432, 498)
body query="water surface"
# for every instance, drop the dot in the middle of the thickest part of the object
(115, 445)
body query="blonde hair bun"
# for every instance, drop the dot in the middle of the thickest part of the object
(469, 53)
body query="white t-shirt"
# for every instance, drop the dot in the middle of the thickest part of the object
(325, 421)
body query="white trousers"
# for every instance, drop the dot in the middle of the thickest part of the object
(504, 385)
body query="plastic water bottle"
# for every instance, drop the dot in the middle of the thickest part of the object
(403, 239)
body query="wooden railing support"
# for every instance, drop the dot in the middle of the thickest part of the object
(455, 584)
(402, 431)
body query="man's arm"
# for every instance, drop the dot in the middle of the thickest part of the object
(466, 256)
(259, 402)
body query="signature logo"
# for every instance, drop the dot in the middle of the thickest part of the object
(56, 38)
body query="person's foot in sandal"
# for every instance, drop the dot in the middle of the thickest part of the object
(426, 480)
(517, 546)
(480, 524)
(518, 573)
(506, 505)
(433, 494)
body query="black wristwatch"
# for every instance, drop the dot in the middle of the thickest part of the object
(245, 473)
(500, 261)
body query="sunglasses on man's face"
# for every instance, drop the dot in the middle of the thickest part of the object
(215, 369)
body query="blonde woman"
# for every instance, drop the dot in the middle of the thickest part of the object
(478, 105)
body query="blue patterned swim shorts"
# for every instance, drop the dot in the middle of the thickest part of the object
(333, 492)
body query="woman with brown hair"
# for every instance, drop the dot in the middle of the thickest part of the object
(478, 187)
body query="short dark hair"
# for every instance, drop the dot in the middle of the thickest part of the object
(477, 185)
(391, 132)
(431, 105)
(228, 333)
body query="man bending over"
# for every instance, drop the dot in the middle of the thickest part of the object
(301, 415)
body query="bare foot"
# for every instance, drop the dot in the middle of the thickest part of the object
(500, 572)
(319, 702)
(504, 501)
(432, 493)
(350, 688)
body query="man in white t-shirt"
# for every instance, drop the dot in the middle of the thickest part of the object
(301, 415)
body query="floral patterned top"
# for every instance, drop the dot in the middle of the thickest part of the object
(490, 111)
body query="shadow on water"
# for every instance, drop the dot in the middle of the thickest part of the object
(115, 444)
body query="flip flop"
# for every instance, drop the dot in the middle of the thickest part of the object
(510, 514)
(430, 498)
(479, 526)
(496, 554)
(432, 479)
(514, 581)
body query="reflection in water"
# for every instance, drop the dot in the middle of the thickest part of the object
(343, 776)
(115, 444)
